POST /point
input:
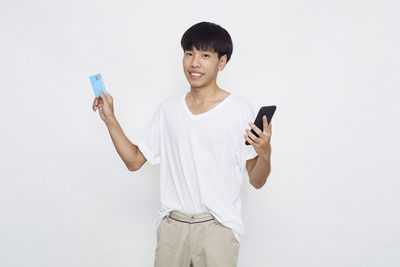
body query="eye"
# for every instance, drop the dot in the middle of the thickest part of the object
(206, 55)
(187, 53)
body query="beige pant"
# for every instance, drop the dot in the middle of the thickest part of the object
(195, 240)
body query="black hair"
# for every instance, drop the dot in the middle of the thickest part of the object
(208, 36)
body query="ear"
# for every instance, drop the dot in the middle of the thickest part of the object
(222, 62)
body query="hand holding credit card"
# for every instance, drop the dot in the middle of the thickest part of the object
(97, 84)
(103, 100)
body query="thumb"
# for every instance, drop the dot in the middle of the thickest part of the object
(109, 98)
(103, 96)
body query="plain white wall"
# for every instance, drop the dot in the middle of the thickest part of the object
(330, 67)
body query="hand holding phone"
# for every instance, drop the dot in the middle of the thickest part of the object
(267, 111)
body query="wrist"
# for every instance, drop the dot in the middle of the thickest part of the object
(266, 157)
(111, 122)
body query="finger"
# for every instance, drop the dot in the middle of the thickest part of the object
(255, 128)
(251, 142)
(252, 136)
(265, 123)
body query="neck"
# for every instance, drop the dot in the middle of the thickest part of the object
(205, 94)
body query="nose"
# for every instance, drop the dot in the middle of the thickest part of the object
(195, 61)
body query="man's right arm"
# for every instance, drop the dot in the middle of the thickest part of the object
(129, 153)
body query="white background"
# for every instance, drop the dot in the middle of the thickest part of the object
(330, 67)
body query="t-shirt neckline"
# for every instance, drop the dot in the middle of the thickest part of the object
(204, 114)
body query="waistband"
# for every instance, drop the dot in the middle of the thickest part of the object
(190, 218)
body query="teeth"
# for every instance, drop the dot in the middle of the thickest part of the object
(196, 74)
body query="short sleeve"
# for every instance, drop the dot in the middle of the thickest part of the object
(149, 141)
(248, 151)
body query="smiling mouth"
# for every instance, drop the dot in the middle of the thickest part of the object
(195, 75)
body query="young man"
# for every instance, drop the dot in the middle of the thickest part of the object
(198, 138)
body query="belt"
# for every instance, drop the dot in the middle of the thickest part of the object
(190, 218)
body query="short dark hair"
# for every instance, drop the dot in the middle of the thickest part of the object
(208, 36)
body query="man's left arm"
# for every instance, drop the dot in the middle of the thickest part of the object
(259, 168)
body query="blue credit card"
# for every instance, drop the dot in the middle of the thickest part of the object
(97, 84)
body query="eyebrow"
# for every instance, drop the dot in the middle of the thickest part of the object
(201, 50)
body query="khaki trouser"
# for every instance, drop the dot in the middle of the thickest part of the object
(195, 240)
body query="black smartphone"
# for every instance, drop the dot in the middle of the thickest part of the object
(267, 111)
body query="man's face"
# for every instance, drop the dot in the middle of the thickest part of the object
(201, 67)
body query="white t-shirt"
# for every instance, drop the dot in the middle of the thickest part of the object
(202, 157)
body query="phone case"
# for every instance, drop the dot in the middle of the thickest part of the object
(266, 110)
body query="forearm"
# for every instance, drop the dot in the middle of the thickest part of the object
(260, 171)
(126, 150)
